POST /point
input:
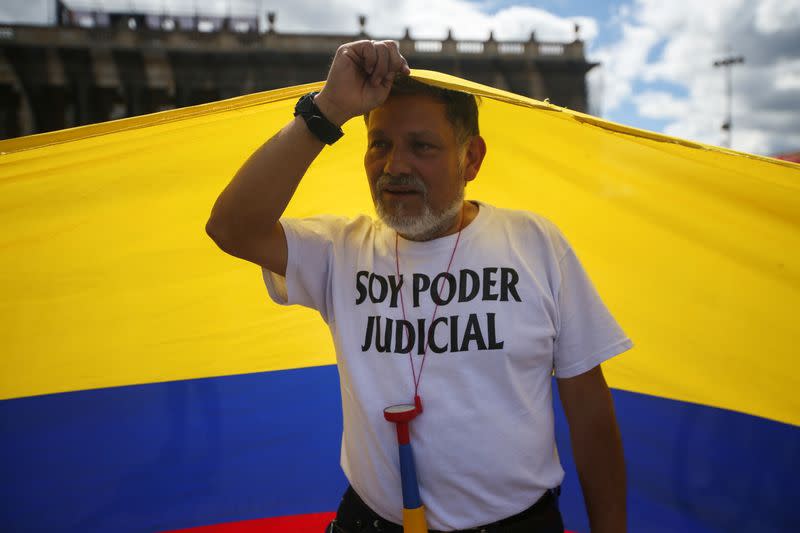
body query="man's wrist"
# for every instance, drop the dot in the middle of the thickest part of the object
(316, 121)
(330, 110)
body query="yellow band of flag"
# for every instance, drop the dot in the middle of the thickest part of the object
(108, 277)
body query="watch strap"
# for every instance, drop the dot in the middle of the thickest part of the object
(322, 128)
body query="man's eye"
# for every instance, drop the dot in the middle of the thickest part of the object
(424, 147)
(377, 144)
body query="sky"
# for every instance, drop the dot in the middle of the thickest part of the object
(656, 57)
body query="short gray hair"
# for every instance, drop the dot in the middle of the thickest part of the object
(461, 109)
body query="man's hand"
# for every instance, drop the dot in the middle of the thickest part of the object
(360, 78)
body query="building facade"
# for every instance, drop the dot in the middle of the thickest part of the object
(96, 66)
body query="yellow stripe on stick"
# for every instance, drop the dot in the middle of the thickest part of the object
(414, 520)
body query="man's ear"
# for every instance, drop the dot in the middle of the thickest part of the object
(476, 151)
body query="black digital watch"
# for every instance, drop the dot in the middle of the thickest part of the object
(322, 128)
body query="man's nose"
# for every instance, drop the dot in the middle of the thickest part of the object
(397, 163)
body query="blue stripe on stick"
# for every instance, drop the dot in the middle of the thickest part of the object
(408, 475)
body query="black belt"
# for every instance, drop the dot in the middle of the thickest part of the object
(355, 516)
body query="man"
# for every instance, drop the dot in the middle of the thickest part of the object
(483, 303)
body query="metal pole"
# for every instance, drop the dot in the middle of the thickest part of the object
(727, 126)
(729, 111)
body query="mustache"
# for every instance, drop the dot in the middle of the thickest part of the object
(402, 180)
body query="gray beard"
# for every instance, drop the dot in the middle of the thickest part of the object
(422, 227)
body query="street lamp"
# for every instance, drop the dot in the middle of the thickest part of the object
(727, 63)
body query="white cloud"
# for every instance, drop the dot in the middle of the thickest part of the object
(777, 15)
(788, 75)
(659, 104)
(516, 22)
(675, 43)
(26, 11)
(622, 62)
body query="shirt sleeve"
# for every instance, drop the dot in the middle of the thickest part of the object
(309, 265)
(587, 333)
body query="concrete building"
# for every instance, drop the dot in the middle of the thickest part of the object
(95, 66)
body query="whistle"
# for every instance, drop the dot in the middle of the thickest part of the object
(413, 510)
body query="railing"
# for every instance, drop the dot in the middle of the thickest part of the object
(428, 47)
(469, 47)
(511, 48)
(551, 49)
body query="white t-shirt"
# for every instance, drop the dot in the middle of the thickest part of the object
(516, 307)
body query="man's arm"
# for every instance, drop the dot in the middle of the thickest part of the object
(244, 219)
(597, 449)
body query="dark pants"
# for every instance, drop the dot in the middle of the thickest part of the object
(353, 516)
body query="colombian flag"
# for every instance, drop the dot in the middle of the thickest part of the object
(148, 383)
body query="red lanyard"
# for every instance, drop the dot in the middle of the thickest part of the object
(414, 375)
